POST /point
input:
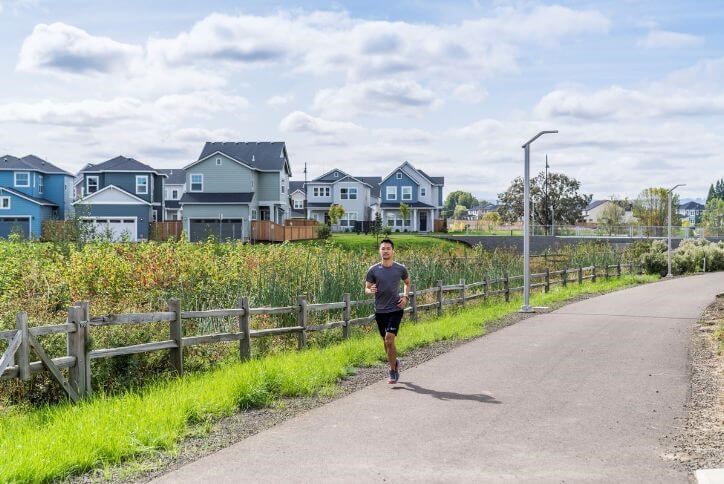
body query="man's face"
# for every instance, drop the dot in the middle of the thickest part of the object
(386, 251)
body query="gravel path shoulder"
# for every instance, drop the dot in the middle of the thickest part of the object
(699, 444)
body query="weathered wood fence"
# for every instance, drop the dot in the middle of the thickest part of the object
(16, 363)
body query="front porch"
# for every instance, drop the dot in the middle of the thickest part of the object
(418, 220)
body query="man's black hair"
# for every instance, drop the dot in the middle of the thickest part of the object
(387, 241)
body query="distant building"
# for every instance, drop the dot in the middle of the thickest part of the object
(691, 211)
(594, 211)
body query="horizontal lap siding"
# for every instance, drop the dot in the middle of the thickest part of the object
(229, 177)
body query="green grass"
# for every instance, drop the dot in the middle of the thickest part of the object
(55, 442)
(368, 243)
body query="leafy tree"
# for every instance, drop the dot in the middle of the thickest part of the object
(713, 216)
(651, 208)
(456, 198)
(562, 199)
(335, 213)
(612, 216)
(405, 212)
(460, 211)
(491, 219)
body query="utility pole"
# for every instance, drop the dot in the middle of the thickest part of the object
(545, 205)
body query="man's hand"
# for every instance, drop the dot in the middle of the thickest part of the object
(402, 302)
(372, 289)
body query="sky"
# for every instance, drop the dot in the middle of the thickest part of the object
(635, 88)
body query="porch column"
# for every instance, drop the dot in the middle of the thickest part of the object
(414, 220)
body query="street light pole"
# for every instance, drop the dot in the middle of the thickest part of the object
(668, 200)
(526, 308)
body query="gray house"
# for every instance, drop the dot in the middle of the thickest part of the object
(298, 199)
(356, 194)
(175, 187)
(422, 193)
(232, 184)
(121, 197)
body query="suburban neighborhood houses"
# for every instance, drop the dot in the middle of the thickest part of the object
(229, 186)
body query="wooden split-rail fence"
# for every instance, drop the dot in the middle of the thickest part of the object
(21, 341)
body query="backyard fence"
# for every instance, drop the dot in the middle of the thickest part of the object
(16, 363)
(266, 230)
(168, 230)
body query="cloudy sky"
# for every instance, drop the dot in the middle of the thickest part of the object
(636, 88)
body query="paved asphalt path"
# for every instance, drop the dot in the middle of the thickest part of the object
(584, 393)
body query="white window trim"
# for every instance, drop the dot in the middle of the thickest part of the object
(298, 204)
(142, 177)
(406, 190)
(253, 214)
(391, 193)
(218, 161)
(41, 183)
(174, 194)
(87, 179)
(423, 192)
(9, 203)
(15, 179)
(336, 174)
(191, 182)
(399, 175)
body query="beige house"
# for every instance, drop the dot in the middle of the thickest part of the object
(595, 210)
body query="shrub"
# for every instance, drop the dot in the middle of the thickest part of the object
(689, 256)
(324, 231)
(655, 261)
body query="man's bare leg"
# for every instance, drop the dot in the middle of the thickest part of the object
(391, 350)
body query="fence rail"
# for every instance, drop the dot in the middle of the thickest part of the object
(15, 360)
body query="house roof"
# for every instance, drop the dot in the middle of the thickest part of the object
(263, 155)
(409, 204)
(295, 185)
(32, 163)
(119, 163)
(374, 182)
(172, 204)
(175, 176)
(318, 204)
(692, 205)
(216, 198)
(39, 201)
(595, 203)
(329, 176)
(298, 214)
(437, 180)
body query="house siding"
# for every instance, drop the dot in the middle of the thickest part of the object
(216, 212)
(19, 207)
(359, 206)
(58, 190)
(127, 182)
(269, 188)
(392, 181)
(230, 177)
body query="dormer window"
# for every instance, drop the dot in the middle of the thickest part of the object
(218, 161)
(22, 179)
(141, 184)
(399, 175)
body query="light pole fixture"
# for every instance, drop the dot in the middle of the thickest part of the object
(668, 200)
(526, 308)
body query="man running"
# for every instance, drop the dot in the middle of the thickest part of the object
(383, 280)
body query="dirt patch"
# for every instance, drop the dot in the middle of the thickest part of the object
(699, 442)
(216, 435)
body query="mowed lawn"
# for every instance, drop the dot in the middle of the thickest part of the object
(361, 242)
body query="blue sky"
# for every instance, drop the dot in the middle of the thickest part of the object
(635, 88)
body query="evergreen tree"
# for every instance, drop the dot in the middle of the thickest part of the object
(710, 195)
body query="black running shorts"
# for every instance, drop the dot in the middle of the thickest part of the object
(389, 322)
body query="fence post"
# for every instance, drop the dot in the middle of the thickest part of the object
(485, 288)
(593, 274)
(618, 269)
(302, 321)
(462, 291)
(245, 341)
(85, 317)
(704, 265)
(439, 298)
(605, 275)
(413, 302)
(506, 285)
(547, 287)
(564, 277)
(346, 316)
(176, 334)
(580, 275)
(76, 348)
(23, 353)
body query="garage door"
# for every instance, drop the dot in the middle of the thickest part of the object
(116, 229)
(14, 225)
(227, 229)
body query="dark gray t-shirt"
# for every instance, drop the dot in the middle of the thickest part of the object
(388, 285)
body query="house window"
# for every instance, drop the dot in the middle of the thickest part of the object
(4, 203)
(197, 182)
(91, 184)
(348, 219)
(283, 185)
(399, 175)
(141, 184)
(298, 204)
(423, 191)
(407, 193)
(321, 191)
(253, 214)
(391, 193)
(40, 184)
(22, 179)
(155, 215)
(336, 174)
(348, 193)
(390, 219)
(218, 161)
(174, 194)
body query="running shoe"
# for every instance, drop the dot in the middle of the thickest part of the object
(392, 378)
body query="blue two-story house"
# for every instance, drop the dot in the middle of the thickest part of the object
(32, 191)
(121, 197)
(416, 189)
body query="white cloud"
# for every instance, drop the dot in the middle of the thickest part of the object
(280, 100)
(379, 98)
(664, 39)
(301, 122)
(471, 93)
(63, 49)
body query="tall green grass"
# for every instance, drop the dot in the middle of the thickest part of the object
(58, 441)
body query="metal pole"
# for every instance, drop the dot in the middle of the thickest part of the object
(668, 253)
(526, 233)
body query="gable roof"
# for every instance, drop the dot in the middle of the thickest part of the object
(175, 176)
(119, 163)
(399, 168)
(262, 155)
(39, 201)
(31, 163)
(595, 203)
(374, 182)
(217, 198)
(85, 199)
(296, 185)
(436, 180)
(329, 176)
(692, 205)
